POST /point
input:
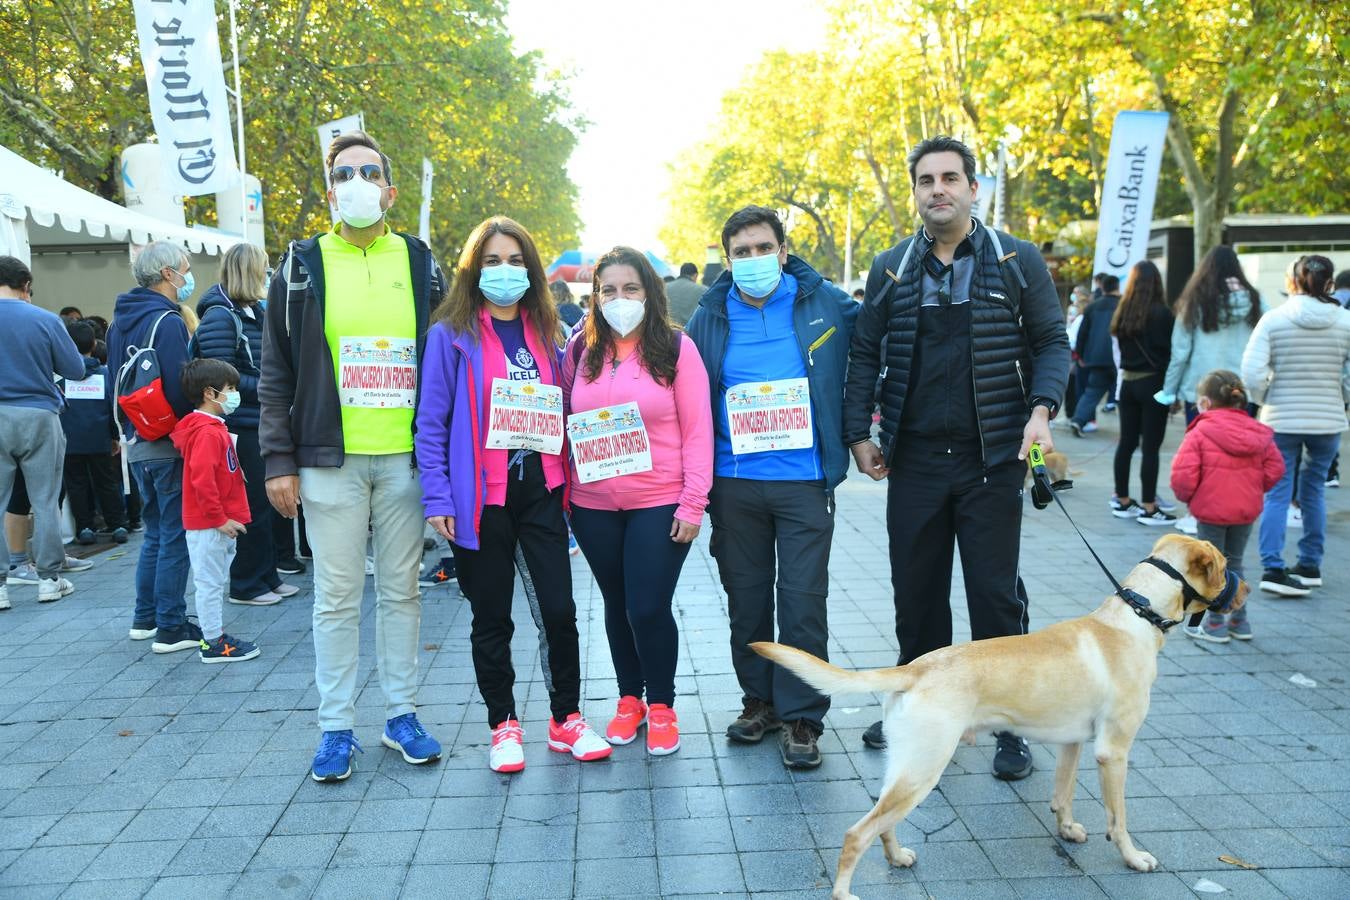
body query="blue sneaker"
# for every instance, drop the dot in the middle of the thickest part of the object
(333, 759)
(572, 548)
(406, 735)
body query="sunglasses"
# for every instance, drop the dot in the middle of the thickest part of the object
(372, 172)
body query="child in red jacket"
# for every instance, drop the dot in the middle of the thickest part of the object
(215, 507)
(1225, 465)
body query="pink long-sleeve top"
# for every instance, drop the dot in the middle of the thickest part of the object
(678, 419)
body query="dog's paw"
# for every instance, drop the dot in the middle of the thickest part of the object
(1141, 861)
(1073, 831)
(902, 858)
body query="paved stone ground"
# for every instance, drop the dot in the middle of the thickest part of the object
(131, 774)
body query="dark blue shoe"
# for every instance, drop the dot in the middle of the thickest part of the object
(333, 759)
(405, 734)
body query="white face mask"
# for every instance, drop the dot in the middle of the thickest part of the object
(358, 202)
(623, 314)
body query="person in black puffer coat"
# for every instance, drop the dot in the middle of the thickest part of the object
(231, 330)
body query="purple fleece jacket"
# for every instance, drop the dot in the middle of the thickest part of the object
(451, 424)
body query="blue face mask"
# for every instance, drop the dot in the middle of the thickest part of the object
(756, 276)
(504, 284)
(189, 285)
(229, 402)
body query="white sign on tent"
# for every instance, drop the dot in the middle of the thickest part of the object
(1138, 140)
(180, 51)
(330, 130)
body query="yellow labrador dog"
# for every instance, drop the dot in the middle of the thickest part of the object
(1085, 679)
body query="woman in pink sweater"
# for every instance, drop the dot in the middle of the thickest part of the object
(640, 425)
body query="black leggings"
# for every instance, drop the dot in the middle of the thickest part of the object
(1142, 419)
(636, 565)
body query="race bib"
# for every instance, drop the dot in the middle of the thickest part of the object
(91, 388)
(377, 372)
(525, 415)
(770, 415)
(609, 442)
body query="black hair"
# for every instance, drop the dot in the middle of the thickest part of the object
(67, 310)
(747, 216)
(1098, 277)
(857, 291)
(100, 326)
(1343, 279)
(942, 144)
(14, 274)
(1110, 284)
(82, 333)
(1313, 276)
(688, 270)
(1206, 300)
(201, 374)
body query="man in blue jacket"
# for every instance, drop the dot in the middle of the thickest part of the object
(774, 336)
(1096, 356)
(36, 348)
(164, 279)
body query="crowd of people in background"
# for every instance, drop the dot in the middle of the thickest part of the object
(360, 397)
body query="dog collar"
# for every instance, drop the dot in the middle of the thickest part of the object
(1139, 603)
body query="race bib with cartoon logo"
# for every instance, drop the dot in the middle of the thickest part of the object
(377, 372)
(609, 442)
(770, 415)
(525, 415)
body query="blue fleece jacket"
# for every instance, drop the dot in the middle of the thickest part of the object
(134, 315)
(87, 420)
(37, 346)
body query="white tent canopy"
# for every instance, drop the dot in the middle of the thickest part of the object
(38, 207)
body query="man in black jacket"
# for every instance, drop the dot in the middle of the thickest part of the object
(964, 327)
(1095, 352)
(346, 326)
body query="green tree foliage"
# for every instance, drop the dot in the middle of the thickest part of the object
(432, 79)
(1256, 90)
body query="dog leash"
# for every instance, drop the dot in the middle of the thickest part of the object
(1136, 602)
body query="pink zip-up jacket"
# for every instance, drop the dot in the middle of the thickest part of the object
(679, 427)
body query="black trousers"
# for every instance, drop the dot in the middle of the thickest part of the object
(533, 519)
(254, 570)
(636, 565)
(939, 498)
(1143, 420)
(764, 531)
(95, 479)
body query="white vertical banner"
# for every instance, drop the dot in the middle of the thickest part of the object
(180, 50)
(332, 129)
(984, 198)
(1138, 141)
(424, 219)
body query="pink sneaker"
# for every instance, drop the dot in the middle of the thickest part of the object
(508, 752)
(663, 730)
(576, 737)
(629, 717)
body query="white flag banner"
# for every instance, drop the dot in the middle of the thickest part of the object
(332, 129)
(180, 50)
(1138, 141)
(424, 219)
(983, 207)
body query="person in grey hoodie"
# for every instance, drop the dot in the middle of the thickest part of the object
(1297, 367)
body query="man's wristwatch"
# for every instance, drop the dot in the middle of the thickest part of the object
(1049, 404)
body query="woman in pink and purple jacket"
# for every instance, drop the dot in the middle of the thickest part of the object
(640, 423)
(491, 450)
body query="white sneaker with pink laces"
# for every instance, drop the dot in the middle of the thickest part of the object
(508, 752)
(576, 737)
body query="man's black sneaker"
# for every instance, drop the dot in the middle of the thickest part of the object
(1012, 759)
(185, 637)
(136, 527)
(799, 744)
(1281, 583)
(874, 737)
(1306, 575)
(86, 536)
(290, 566)
(1156, 518)
(757, 718)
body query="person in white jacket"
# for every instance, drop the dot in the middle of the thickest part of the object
(1297, 368)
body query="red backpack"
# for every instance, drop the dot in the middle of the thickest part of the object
(140, 390)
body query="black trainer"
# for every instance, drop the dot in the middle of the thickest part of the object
(1306, 575)
(799, 744)
(184, 637)
(290, 566)
(1281, 583)
(874, 737)
(757, 718)
(1012, 759)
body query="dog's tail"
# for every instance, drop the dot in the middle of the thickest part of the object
(830, 679)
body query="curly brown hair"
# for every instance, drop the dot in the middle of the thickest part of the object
(658, 341)
(461, 306)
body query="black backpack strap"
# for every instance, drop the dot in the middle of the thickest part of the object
(1007, 262)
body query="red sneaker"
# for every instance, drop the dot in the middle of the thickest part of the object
(629, 717)
(663, 730)
(576, 737)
